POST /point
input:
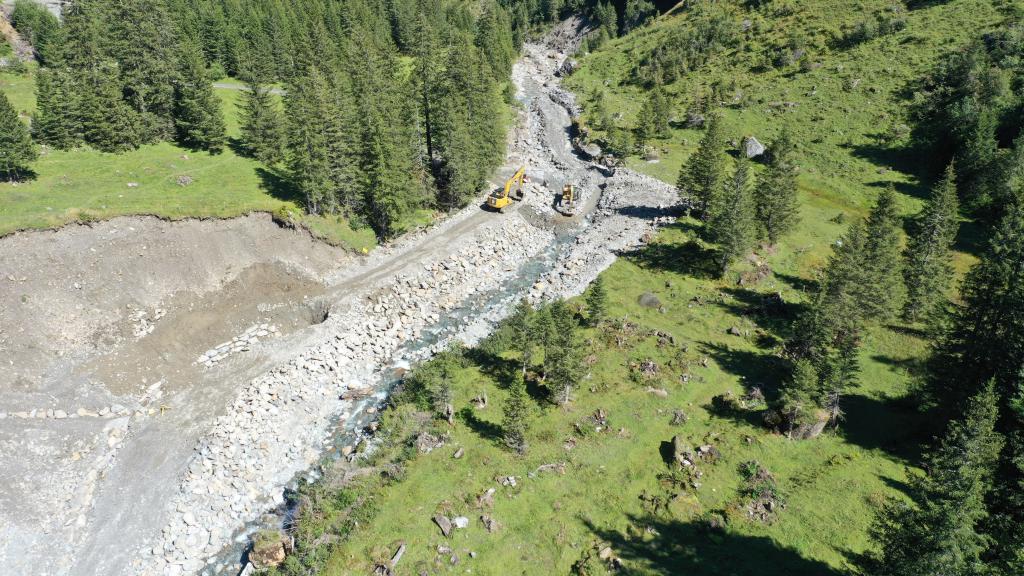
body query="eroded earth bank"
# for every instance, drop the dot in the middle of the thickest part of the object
(163, 381)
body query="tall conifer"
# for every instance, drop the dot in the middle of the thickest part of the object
(928, 266)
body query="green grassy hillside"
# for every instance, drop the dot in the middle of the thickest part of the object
(86, 185)
(847, 105)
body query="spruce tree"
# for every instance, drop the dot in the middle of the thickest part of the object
(732, 225)
(1006, 526)
(108, 123)
(308, 102)
(799, 403)
(198, 118)
(56, 120)
(561, 354)
(654, 116)
(17, 152)
(702, 176)
(262, 124)
(986, 339)
(522, 333)
(928, 268)
(977, 157)
(939, 534)
(882, 293)
(828, 334)
(597, 302)
(514, 423)
(778, 209)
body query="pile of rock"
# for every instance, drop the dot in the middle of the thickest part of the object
(241, 343)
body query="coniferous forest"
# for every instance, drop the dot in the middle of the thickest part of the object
(387, 106)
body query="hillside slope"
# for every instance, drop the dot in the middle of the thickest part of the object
(594, 488)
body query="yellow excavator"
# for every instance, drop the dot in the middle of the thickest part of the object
(501, 199)
(567, 203)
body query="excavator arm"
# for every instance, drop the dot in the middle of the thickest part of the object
(500, 199)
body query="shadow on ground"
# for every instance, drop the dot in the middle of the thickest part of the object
(674, 547)
(689, 258)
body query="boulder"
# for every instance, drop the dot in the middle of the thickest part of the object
(268, 549)
(752, 148)
(443, 523)
(695, 120)
(567, 68)
(649, 300)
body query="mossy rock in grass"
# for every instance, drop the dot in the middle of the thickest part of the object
(268, 548)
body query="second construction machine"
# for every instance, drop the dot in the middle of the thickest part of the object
(567, 203)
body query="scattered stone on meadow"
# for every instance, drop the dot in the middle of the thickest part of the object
(735, 331)
(458, 453)
(659, 392)
(460, 522)
(490, 524)
(443, 523)
(678, 417)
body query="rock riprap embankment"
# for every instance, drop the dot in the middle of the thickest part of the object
(278, 423)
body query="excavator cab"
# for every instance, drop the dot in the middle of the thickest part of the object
(567, 202)
(568, 194)
(502, 198)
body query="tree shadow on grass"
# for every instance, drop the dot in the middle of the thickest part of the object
(972, 238)
(766, 310)
(798, 283)
(690, 258)
(275, 181)
(886, 424)
(486, 430)
(501, 370)
(691, 548)
(766, 371)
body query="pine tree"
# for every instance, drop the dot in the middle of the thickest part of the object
(799, 403)
(561, 353)
(522, 333)
(514, 423)
(17, 152)
(307, 102)
(778, 209)
(56, 119)
(987, 337)
(939, 533)
(702, 176)
(654, 116)
(262, 124)
(198, 118)
(927, 260)
(732, 225)
(597, 302)
(828, 335)
(882, 292)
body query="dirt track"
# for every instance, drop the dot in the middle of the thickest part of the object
(171, 454)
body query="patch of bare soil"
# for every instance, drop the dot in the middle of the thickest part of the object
(108, 335)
